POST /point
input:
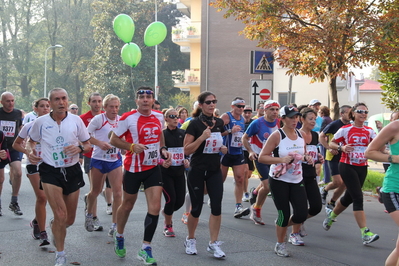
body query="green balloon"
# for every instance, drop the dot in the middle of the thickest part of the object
(155, 33)
(124, 27)
(131, 54)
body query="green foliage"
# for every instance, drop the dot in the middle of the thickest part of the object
(390, 94)
(181, 98)
(374, 179)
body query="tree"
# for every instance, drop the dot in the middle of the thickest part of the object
(320, 39)
(106, 71)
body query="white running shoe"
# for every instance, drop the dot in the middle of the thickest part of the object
(302, 231)
(191, 246)
(108, 210)
(281, 250)
(255, 216)
(296, 240)
(214, 248)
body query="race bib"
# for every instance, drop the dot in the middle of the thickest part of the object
(8, 128)
(312, 151)
(111, 154)
(357, 155)
(59, 156)
(177, 156)
(236, 139)
(213, 143)
(151, 154)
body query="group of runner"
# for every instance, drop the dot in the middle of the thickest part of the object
(158, 153)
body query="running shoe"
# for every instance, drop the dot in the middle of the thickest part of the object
(329, 208)
(168, 231)
(252, 196)
(209, 203)
(240, 211)
(111, 230)
(324, 195)
(44, 239)
(60, 260)
(51, 229)
(14, 207)
(378, 189)
(119, 246)
(245, 197)
(281, 250)
(327, 223)
(146, 256)
(89, 224)
(191, 246)
(184, 218)
(302, 231)
(255, 216)
(36, 230)
(141, 187)
(108, 209)
(96, 224)
(369, 237)
(296, 239)
(214, 248)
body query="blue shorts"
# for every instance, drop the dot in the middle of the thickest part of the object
(333, 167)
(263, 170)
(104, 166)
(231, 160)
(14, 156)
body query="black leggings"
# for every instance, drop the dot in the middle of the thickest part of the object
(353, 177)
(174, 191)
(285, 193)
(214, 184)
(313, 195)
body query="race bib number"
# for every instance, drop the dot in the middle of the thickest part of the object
(312, 151)
(236, 139)
(213, 143)
(59, 156)
(151, 154)
(177, 156)
(357, 155)
(38, 150)
(111, 154)
(8, 128)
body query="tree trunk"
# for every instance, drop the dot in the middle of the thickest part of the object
(334, 104)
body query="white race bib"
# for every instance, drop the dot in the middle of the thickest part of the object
(111, 154)
(213, 143)
(357, 155)
(151, 154)
(236, 139)
(59, 156)
(8, 128)
(312, 151)
(177, 155)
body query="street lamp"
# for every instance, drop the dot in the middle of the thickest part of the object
(45, 66)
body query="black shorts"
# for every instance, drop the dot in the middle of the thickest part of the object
(333, 167)
(391, 201)
(250, 163)
(14, 156)
(70, 179)
(86, 164)
(150, 178)
(32, 169)
(231, 160)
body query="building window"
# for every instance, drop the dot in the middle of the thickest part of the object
(283, 98)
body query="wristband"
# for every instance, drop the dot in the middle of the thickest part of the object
(81, 148)
(390, 158)
(132, 148)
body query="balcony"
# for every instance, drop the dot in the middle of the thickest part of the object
(184, 34)
(186, 78)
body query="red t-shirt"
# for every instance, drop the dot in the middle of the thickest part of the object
(86, 118)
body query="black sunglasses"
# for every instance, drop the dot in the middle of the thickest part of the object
(247, 111)
(145, 91)
(362, 111)
(209, 102)
(173, 116)
(240, 106)
(74, 108)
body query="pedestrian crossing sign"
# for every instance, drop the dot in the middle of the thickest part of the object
(261, 62)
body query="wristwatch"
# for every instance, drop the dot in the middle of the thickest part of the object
(229, 130)
(82, 148)
(390, 158)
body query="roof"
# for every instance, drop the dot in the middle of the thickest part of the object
(370, 85)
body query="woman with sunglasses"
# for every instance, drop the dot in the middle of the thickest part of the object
(174, 182)
(41, 107)
(204, 141)
(353, 140)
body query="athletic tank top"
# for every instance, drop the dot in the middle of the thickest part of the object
(391, 179)
(233, 140)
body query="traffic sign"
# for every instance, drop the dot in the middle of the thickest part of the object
(261, 62)
(261, 91)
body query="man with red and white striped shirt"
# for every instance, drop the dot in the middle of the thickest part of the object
(144, 141)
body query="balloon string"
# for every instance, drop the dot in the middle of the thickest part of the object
(131, 78)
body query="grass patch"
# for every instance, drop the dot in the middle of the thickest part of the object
(374, 179)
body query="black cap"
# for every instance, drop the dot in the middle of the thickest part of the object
(289, 111)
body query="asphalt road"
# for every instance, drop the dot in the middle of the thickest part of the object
(244, 242)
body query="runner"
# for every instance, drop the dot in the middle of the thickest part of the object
(10, 124)
(174, 181)
(59, 134)
(41, 107)
(353, 140)
(286, 183)
(258, 132)
(234, 125)
(204, 141)
(260, 111)
(3, 155)
(249, 166)
(96, 103)
(106, 161)
(73, 109)
(333, 156)
(142, 129)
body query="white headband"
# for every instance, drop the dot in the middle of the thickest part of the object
(238, 101)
